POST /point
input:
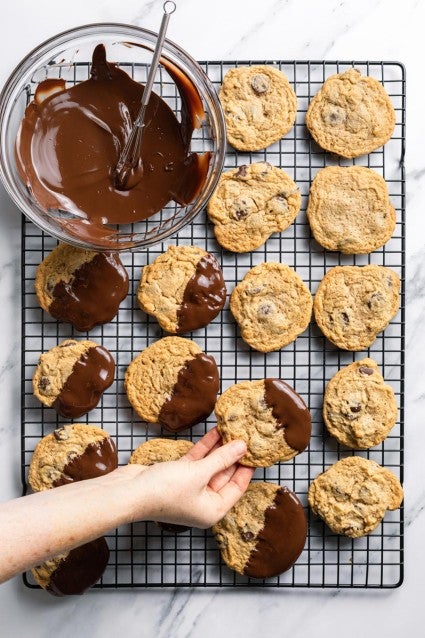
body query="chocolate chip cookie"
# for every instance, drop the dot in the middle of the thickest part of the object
(272, 306)
(351, 115)
(72, 376)
(353, 495)
(354, 303)
(158, 451)
(264, 533)
(75, 571)
(251, 203)
(349, 209)
(259, 105)
(183, 288)
(269, 416)
(81, 287)
(172, 382)
(359, 408)
(71, 453)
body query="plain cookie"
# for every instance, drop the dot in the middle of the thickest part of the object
(71, 453)
(354, 303)
(269, 416)
(183, 288)
(349, 209)
(264, 533)
(259, 105)
(72, 376)
(81, 287)
(351, 115)
(251, 203)
(353, 495)
(359, 408)
(272, 306)
(172, 382)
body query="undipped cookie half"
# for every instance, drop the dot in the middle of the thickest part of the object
(359, 408)
(269, 416)
(349, 209)
(353, 495)
(172, 382)
(259, 105)
(354, 303)
(159, 451)
(81, 287)
(351, 115)
(75, 571)
(264, 533)
(251, 203)
(72, 376)
(183, 288)
(71, 453)
(272, 306)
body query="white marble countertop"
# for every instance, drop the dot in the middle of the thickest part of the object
(220, 29)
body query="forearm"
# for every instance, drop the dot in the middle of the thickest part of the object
(36, 527)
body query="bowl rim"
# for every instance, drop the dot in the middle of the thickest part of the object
(63, 37)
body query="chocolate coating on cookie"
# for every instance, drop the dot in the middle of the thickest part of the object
(97, 459)
(90, 376)
(193, 396)
(77, 571)
(290, 412)
(204, 296)
(282, 538)
(94, 293)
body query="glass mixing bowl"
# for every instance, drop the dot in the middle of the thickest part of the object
(68, 56)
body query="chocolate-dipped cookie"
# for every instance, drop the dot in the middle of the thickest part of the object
(71, 453)
(264, 533)
(72, 376)
(81, 287)
(269, 416)
(75, 571)
(183, 288)
(172, 382)
(159, 451)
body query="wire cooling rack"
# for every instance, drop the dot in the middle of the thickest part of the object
(141, 554)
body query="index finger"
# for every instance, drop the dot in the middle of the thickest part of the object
(203, 446)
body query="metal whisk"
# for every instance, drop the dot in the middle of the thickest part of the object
(129, 158)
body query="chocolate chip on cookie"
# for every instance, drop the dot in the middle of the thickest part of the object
(183, 288)
(354, 303)
(172, 382)
(269, 416)
(81, 287)
(359, 408)
(72, 376)
(272, 306)
(259, 106)
(71, 453)
(251, 203)
(264, 533)
(349, 209)
(75, 571)
(353, 495)
(351, 115)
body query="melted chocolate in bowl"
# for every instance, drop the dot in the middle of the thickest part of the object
(70, 140)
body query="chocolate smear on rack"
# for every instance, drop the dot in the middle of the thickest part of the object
(282, 538)
(71, 137)
(91, 374)
(193, 396)
(290, 412)
(203, 297)
(98, 458)
(80, 569)
(93, 294)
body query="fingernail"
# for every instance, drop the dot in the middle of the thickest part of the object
(239, 447)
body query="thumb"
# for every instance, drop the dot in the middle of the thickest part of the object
(223, 458)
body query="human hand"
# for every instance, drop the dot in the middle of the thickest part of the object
(197, 490)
